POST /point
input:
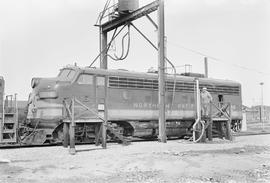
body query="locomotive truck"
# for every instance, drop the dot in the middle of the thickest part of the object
(132, 102)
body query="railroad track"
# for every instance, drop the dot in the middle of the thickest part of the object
(11, 146)
(251, 133)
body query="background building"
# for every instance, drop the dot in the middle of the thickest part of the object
(258, 117)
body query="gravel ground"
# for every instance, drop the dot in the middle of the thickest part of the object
(246, 159)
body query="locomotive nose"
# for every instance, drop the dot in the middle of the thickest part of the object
(43, 101)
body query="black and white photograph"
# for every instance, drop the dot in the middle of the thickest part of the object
(134, 91)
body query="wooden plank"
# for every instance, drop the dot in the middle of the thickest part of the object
(98, 130)
(72, 150)
(66, 134)
(228, 126)
(210, 126)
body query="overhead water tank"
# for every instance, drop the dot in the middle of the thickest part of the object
(127, 5)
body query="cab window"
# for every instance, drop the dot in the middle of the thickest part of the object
(85, 79)
(66, 74)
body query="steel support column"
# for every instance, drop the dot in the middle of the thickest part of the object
(104, 65)
(161, 73)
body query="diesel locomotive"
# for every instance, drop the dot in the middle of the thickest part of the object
(132, 102)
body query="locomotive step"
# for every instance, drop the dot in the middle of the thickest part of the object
(9, 122)
(219, 119)
(10, 114)
(8, 141)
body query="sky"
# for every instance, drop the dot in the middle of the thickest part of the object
(39, 37)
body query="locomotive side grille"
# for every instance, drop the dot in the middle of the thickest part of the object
(152, 84)
(222, 89)
(180, 86)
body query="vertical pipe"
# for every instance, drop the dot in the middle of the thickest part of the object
(196, 137)
(72, 150)
(161, 75)
(206, 67)
(198, 99)
(104, 124)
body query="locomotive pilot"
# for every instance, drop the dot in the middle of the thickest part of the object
(206, 98)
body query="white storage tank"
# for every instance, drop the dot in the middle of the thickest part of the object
(127, 5)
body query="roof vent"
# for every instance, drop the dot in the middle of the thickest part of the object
(191, 74)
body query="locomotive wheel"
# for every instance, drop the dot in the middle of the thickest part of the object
(58, 135)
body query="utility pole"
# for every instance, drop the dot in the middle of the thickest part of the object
(161, 73)
(205, 67)
(261, 111)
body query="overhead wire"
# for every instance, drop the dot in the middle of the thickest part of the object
(217, 59)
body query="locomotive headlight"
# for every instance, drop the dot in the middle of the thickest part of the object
(47, 94)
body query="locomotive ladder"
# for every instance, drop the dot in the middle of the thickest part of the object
(9, 120)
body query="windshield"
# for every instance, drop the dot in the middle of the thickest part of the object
(66, 74)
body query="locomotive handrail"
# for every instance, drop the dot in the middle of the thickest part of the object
(220, 110)
(67, 108)
(87, 108)
(83, 105)
(224, 110)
